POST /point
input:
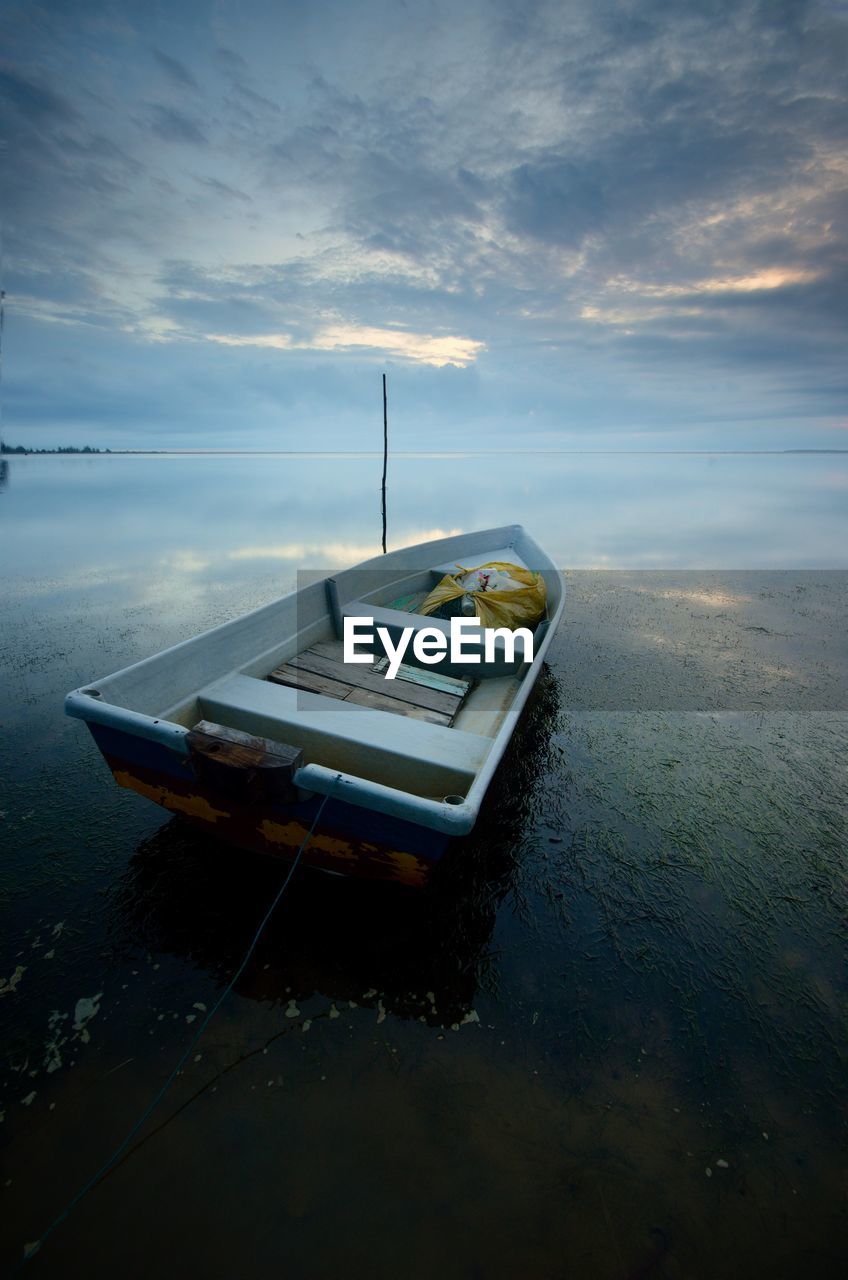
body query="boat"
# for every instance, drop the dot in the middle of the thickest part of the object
(250, 728)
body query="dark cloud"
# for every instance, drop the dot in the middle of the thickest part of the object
(36, 103)
(176, 71)
(255, 99)
(556, 200)
(54, 165)
(223, 189)
(638, 176)
(231, 62)
(174, 126)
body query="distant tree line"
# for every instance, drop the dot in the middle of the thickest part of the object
(68, 448)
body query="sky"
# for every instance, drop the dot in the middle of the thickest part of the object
(588, 224)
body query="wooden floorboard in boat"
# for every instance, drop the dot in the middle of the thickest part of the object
(424, 676)
(321, 669)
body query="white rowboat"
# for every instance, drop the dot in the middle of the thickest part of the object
(245, 728)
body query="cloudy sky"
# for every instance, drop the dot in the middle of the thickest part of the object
(581, 224)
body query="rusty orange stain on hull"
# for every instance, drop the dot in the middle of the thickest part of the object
(408, 868)
(193, 806)
(331, 852)
(290, 834)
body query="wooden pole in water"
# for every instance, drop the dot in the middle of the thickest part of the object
(385, 457)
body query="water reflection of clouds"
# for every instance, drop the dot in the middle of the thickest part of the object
(215, 516)
(82, 580)
(710, 598)
(335, 553)
(755, 640)
(185, 562)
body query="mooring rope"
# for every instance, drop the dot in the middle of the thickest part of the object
(31, 1249)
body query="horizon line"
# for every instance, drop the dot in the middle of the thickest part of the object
(96, 451)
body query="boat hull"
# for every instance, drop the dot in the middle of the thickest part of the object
(226, 729)
(348, 841)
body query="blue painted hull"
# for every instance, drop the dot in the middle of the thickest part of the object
(349, 840)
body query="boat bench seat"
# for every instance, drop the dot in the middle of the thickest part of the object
(412, 755)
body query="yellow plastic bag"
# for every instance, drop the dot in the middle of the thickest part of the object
(501, 606)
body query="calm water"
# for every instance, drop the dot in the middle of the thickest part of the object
(609, 1043)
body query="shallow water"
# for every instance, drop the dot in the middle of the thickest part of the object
(609, 1043)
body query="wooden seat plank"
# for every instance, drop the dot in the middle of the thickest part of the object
(427, 676)
(298, 678)
(402, 690)
(368, 698)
